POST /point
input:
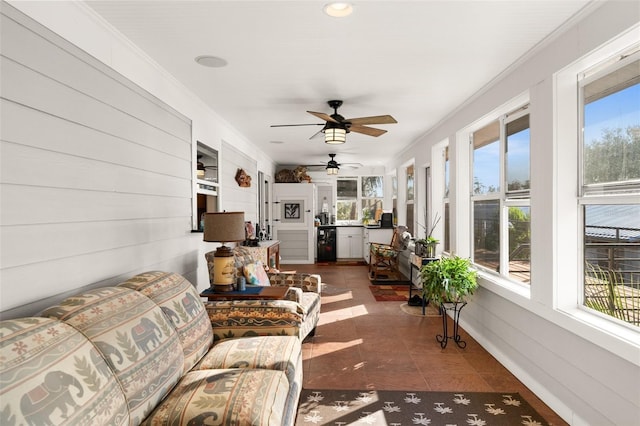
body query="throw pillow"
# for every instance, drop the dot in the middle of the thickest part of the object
(255, 274)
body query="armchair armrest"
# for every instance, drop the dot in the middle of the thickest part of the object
(239, 318)
(304, 281)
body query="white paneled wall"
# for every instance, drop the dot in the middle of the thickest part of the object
(95, 172)
(237, 198)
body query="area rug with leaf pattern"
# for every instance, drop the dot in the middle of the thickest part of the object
(370, 407)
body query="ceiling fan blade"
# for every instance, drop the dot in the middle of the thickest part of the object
(375, 119)
(323, 116)
(295, 125)
(316, 133)
(370, 131)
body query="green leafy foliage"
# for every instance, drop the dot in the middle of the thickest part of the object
(449, 279)
(615, 157)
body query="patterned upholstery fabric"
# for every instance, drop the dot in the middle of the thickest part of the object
(225, 397)
(384, 257)
(182, 305)
(275, 353)
(134, 336)
(51, 374)
(307, 282)
(246, 318)
(282, 353)
(304, 289)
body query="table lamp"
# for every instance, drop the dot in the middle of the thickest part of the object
(223, 228)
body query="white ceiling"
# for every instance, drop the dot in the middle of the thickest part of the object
(415, 60)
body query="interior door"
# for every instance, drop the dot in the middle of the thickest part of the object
(293, 217)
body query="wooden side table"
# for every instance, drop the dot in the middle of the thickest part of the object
(252, 293)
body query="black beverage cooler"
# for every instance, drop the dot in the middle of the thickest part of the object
(326, 244)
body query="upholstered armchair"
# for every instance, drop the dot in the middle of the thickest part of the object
(297, 315)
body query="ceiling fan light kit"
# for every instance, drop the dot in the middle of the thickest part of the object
(335, 136)
(336, 126)
(332, 165)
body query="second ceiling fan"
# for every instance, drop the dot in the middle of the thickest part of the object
(336, 126)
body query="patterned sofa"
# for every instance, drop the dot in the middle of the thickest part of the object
(297, 316)
(142, 352)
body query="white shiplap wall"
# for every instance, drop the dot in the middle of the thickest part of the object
(95, 173)
(237, 198)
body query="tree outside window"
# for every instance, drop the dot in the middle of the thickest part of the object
(372, 190)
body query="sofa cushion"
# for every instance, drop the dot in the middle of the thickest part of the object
(182, 305)
(225, 397)
(51, 374)
(134, 336)
(282, 353)
(255, 274)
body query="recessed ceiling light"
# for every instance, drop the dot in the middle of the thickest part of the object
(338, 9)
(276, 142)
(211, 61)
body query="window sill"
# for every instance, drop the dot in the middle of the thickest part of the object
(612, 336)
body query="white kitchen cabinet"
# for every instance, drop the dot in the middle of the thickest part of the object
(375, 235)
(349, 242)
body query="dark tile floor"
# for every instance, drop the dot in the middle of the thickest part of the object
(364, 344)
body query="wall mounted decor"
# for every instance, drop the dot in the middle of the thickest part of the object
(243, 179)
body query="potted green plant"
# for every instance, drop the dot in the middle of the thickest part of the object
(449, 279)
(426, 247)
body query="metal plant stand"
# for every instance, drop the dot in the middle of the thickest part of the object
(443, 339)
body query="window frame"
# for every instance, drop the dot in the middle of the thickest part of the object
(363, 198)
(504, 197)
(607, 193)
(609, 335)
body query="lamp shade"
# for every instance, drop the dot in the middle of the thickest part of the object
(224, 227)
(335, 135)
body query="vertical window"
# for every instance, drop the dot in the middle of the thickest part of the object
(447, 219)
(500, 199)
(610, 185)
(372, 191)
(394, 196)
(410, 197)
(347, 206)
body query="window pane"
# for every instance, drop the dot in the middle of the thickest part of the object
(611, 138)
(520, 244)
(372, 186)
(446, 172)
(486, 233)
(447, 226)
(517, 153)
(347, 210)
(612, 260)
(372, 209)
(409, 223)
(410, 183)
(486, 159)
(394, 185)
(347, 188)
